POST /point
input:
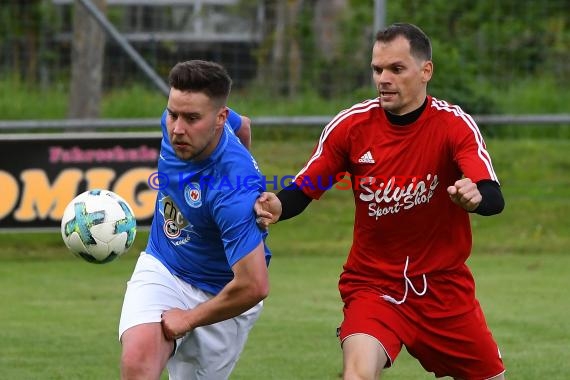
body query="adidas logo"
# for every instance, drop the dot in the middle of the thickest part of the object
(367, 158)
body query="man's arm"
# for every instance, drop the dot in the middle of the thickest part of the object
(293, 201)
(249, 286)
(492, 201)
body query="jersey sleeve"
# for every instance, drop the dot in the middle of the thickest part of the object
(233, 213)
(470, 151)
(234, 120)
(328, 163)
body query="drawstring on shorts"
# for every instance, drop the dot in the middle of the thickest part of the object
(408, 284)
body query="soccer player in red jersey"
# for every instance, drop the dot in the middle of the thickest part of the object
(418, 167)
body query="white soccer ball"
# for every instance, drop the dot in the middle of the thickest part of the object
(98, 226)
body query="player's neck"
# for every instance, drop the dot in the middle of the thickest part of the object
(408, 118)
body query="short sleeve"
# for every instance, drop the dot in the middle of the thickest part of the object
(234, 120)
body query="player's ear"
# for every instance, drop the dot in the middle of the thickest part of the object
(427, 71)
(222, 116)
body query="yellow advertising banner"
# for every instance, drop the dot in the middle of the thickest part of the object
(41, 174)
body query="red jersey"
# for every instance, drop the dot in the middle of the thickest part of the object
(405, 223)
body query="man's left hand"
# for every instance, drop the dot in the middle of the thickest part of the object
(465, 194)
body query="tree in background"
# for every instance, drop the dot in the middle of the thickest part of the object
(490, 43)
(278, 56)
(322, 47)
(23, 26)
(87, 54)
(327, 44)
(304, 47)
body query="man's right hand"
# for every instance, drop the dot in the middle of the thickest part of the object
(267, 209)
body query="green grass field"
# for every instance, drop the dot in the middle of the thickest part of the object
(59, 315)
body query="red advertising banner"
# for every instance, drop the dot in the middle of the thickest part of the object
(41, 173)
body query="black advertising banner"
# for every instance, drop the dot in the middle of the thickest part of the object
(40, 174)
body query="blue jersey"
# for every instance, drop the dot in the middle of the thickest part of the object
(204, 220)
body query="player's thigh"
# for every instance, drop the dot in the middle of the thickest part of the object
(151, 290)
(145, 350)
(365, 313)
(363, 356)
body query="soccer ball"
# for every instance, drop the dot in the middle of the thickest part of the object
(98, 226)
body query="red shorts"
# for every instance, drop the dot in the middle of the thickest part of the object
(457, 345)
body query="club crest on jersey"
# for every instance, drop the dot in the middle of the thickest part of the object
(193, 194)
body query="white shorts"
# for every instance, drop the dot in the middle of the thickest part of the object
(207, 352)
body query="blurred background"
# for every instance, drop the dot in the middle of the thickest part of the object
(287, 57)
(82, 88)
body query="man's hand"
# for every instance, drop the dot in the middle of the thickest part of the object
(174, 323)
(268, 209)
(465, 194)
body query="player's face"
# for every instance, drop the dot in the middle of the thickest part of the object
(194, 124)
(400, 78)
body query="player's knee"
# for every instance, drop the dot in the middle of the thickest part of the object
(363, 358)
(136, 364)
(360, 373)
(359, 370)
(131, 364)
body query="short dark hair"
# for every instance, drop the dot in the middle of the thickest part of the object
(420, 45)
(196, 75)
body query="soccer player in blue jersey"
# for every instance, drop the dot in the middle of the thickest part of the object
(197, 289)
